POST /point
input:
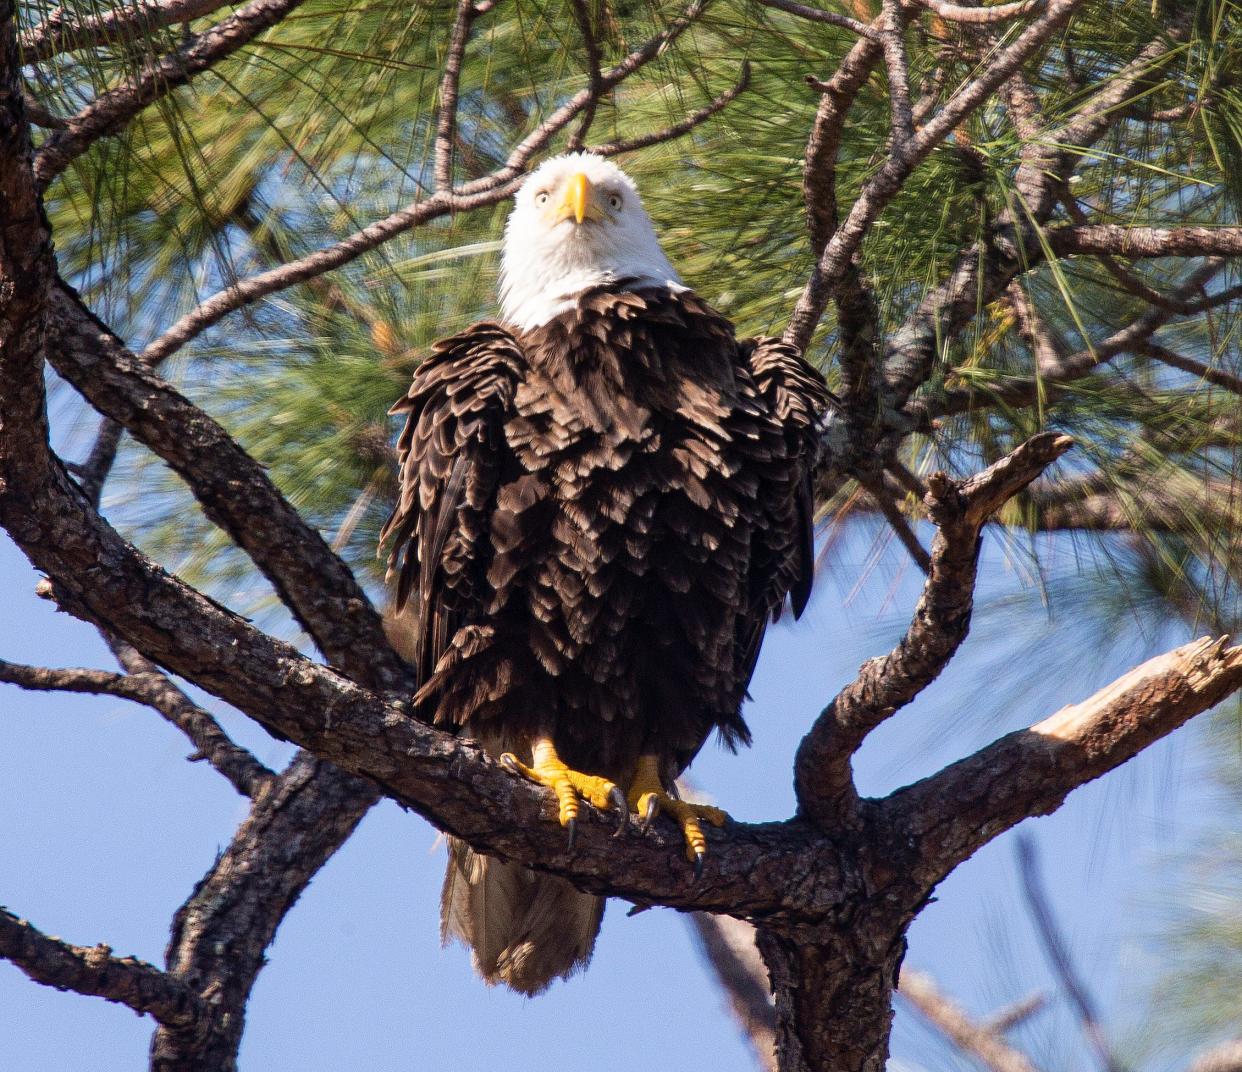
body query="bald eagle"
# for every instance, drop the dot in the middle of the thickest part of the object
(604, 499)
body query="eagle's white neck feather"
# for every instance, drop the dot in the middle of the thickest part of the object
(546, 266)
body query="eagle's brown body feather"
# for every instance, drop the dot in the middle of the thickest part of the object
(602, 513)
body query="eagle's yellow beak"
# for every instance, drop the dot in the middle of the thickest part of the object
(578, 202)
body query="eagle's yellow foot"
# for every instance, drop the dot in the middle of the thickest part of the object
(568, 785)
(648, 797)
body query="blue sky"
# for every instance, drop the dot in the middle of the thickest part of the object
(111, 827)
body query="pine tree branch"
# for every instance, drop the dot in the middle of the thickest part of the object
(111, 111)
(151, 688)
(884, 685)
(95, 972)
(952, 814)
(882, 188)
(60, 32)
(489, 190)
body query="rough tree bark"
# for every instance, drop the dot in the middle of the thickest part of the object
(831, 890)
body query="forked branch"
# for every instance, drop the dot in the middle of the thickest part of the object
(95, 972)
(941, 621)
(1030, 772)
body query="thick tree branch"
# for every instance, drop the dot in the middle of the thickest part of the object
(1145, 241)
(986, 1044)
(234, 490)
(151, 688)
(95, 972)
(220, 935)
(1030, 772)
(941, 621)
(114, 109)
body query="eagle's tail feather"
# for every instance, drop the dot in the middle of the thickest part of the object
(525, 929)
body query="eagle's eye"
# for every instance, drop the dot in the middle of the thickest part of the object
(541, 198)
(614, 202)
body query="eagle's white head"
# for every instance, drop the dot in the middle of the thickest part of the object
(576, 222)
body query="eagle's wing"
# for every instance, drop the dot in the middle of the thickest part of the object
(783, 560)
(451, 456)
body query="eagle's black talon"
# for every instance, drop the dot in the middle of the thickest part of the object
(509, 761)
(699, 857)
(653, 806)
(571, 829)
(623, 809)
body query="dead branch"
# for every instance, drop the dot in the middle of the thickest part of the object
(941, 621)
(95, 972)
(147, 686)
(1030, 772)
(111, 111)
(985, 1044)
(1057, 951)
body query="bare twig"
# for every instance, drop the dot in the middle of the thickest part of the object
(684, 126)
(940, 624)
(1057, 951)
(1207, 373)
(114, 109)
(978, 1040)
(94, 971)
(1006, 1019)
(147, 686)
(900, 526)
